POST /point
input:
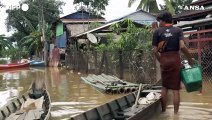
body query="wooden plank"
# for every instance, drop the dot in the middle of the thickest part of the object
(22, 116)
(5, 112)
(129, 112)
(1, 116)
(30, 115)
(37, 103)
(151, 91)
(13, 116)
(38, 113)
(11, 108)
(17, 104)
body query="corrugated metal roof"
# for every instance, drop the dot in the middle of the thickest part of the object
(120, 18)
(186, 23)
(201, 2)
(81, 20)
(80, 15)
(192, 13)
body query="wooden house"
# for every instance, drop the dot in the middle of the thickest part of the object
(140, 18)
(68, 25)
(79, 61)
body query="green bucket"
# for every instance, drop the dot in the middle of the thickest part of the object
(192, 78)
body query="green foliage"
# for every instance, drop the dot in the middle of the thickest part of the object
(3, 61)
(94, 25)
(133, 38)
(4, 43)
(179, 4)
(133, 48)
(25, 22)
(174, 6)
(32, 41)
(168, 6)
(146, 5)
(95, 6)
(15, 53)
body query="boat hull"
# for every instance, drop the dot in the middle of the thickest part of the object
(13, 66)
(15, 105)
(37, 64)
(120, 109)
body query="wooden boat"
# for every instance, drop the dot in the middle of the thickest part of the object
(110, 84)
(37, 63)
(29, 106)
(13, 65)
(121, 109)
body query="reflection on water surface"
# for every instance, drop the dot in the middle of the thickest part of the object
(70, 96)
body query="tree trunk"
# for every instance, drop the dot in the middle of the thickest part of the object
(121, 72)
(102, 62)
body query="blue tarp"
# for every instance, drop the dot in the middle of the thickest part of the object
(61, 41)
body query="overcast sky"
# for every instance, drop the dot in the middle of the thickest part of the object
(115, 9)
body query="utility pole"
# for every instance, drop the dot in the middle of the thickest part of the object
(42, 27)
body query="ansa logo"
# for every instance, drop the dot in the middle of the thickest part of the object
(192, 7)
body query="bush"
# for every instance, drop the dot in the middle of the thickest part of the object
(3, 61)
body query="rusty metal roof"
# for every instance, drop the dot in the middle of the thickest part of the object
(194, 22)
(201, 2)
(192, 14)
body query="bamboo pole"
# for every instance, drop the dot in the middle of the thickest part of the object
(137, 97)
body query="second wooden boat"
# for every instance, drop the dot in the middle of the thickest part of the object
(121, 108)
(30, 106)
(37, 63)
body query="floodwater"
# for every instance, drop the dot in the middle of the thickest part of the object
(70, 96)
(193, 105)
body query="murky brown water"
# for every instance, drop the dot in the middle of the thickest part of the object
(193, 106)
(70, 96)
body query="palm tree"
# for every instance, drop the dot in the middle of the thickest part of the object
(146, 5)
(170, 5)
(4, 43)
(32, 42)
(175, 6)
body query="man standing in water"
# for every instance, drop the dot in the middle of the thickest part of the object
(167, 42)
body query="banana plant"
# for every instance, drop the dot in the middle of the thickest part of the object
(32, 42)
(4, 43)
